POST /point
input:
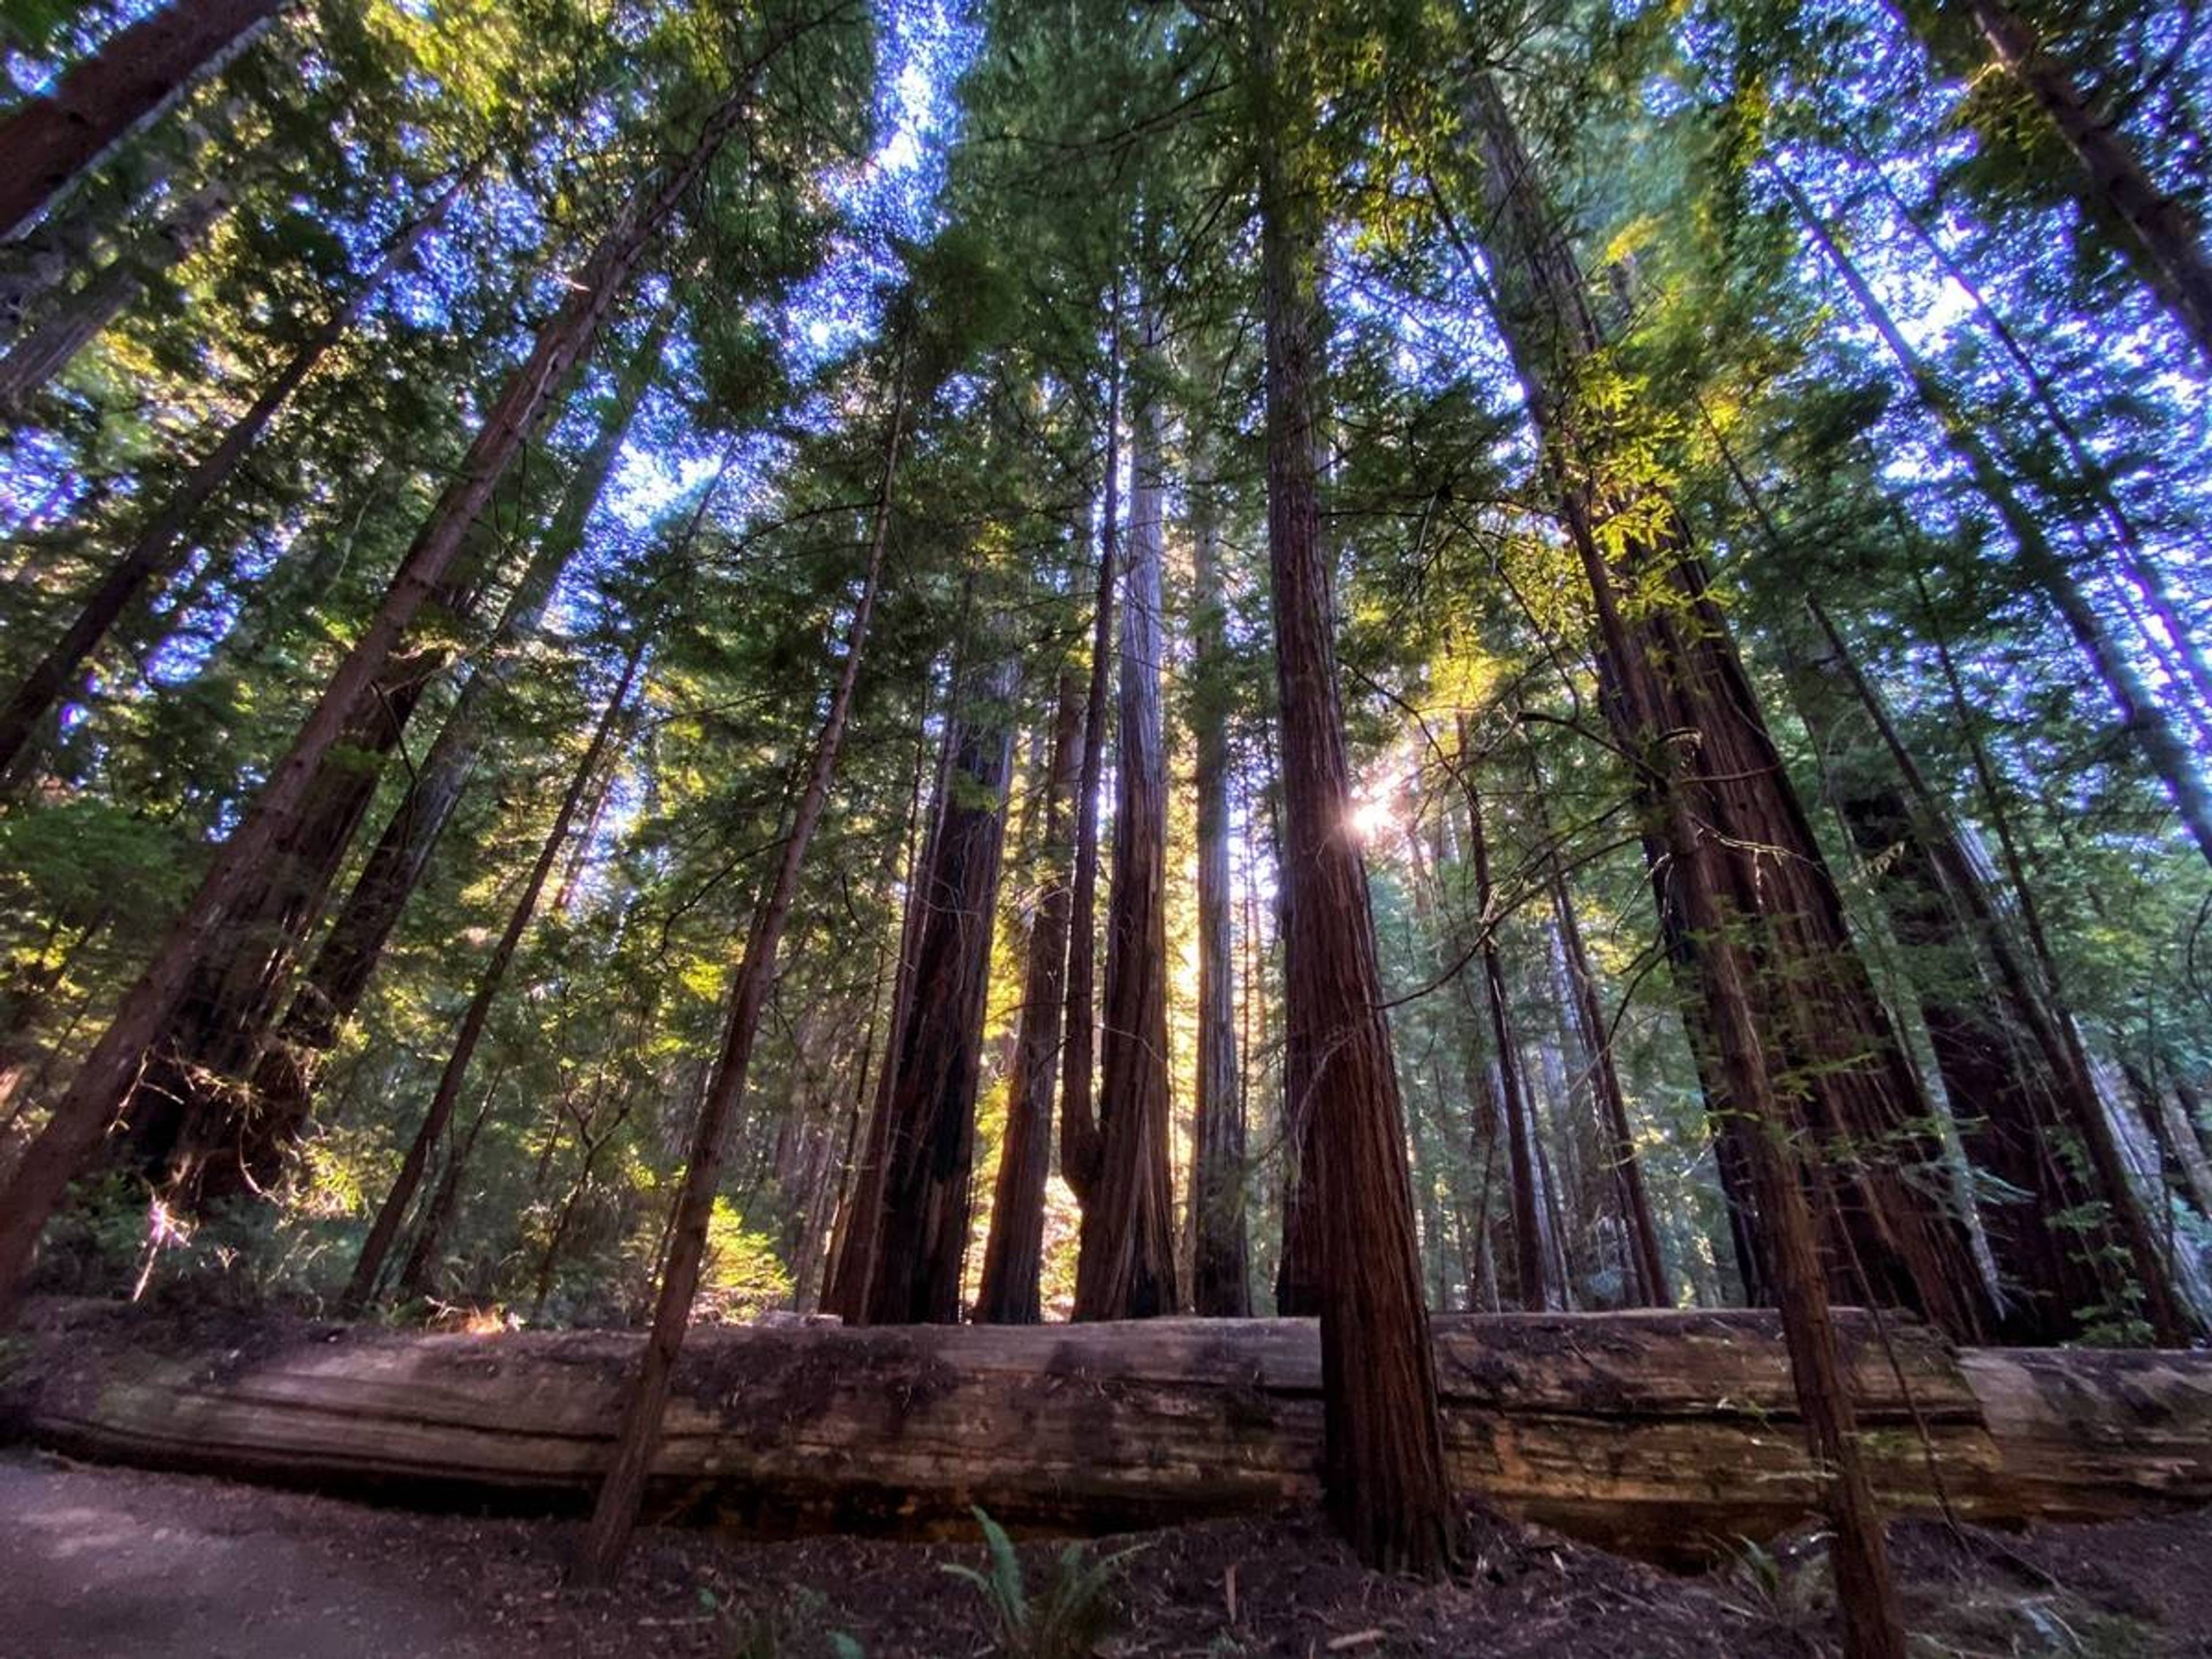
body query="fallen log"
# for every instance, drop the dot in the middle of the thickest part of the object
(1662, 1434)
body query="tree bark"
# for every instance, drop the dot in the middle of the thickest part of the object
(135, 75)
(2072, 1237)
(920, 1240)
(1079, 1121)
(1685, 784)
(79, 1118)
(1221, 1274)
(2114, 188)
(614, 1516)
(1124, 1266)
(153, 552)
(423, 1254)
(368, 1267)
(1383, 1473)
(1650, 1271)
(1668, 1435)
(1013, 1253)
(1530, 1239)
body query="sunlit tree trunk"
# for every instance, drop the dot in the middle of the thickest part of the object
(1220, 1274)
(1383, 1466)
(1125, 1266)
(339, 976)
(1890, 1226)
(1681, 710)
(1014, 1254)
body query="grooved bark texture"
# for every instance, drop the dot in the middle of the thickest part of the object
(1014, 1254)
(1384, 1467)
(920, 1238)
(1125, 1268)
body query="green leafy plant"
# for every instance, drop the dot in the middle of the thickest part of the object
(1070, 1615)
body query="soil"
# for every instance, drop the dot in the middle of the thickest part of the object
(107, 1562)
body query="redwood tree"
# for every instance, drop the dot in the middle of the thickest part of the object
(1125, 1264)
(1383, 1468)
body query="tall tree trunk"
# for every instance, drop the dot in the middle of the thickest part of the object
(614, 1516)
(33, 360)
(1702, 836)
(1014, 1254)
(1383, 1466)
(368, 1268)
(1125, 1268)
(1079, 1121)
(1530, 1241)
(332, 990)
(1650, 1273)
(430, 1241)
(1890, 1228)
(1221, 1274)
(138, 73)
(920, 1241)
(79, 1118)
(2114, 187)
(2141, 712)
(153, 553)
(2074, 1242)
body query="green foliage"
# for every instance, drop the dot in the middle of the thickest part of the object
(1068, 1616)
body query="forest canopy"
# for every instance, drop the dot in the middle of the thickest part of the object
(961, 660)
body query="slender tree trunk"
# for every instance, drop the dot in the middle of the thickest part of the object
(1383, 1466)
(1013, 1254)
(614, 1516)
(81, 1117)
(1650, 1273)
(2114, 187)
(429, 1241)
(138, 73)
(1079, 1146)
(153, 553)
(33, 360)
(1530, 1241)
(340, 974)
(1125, 1268)
(2136, 558)
(369, 1268)
(921, 1240)
(1221, 1274)
(2141, 713)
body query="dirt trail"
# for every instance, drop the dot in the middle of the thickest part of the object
(100, 1562)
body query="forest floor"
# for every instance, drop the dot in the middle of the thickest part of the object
(115, 1562)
